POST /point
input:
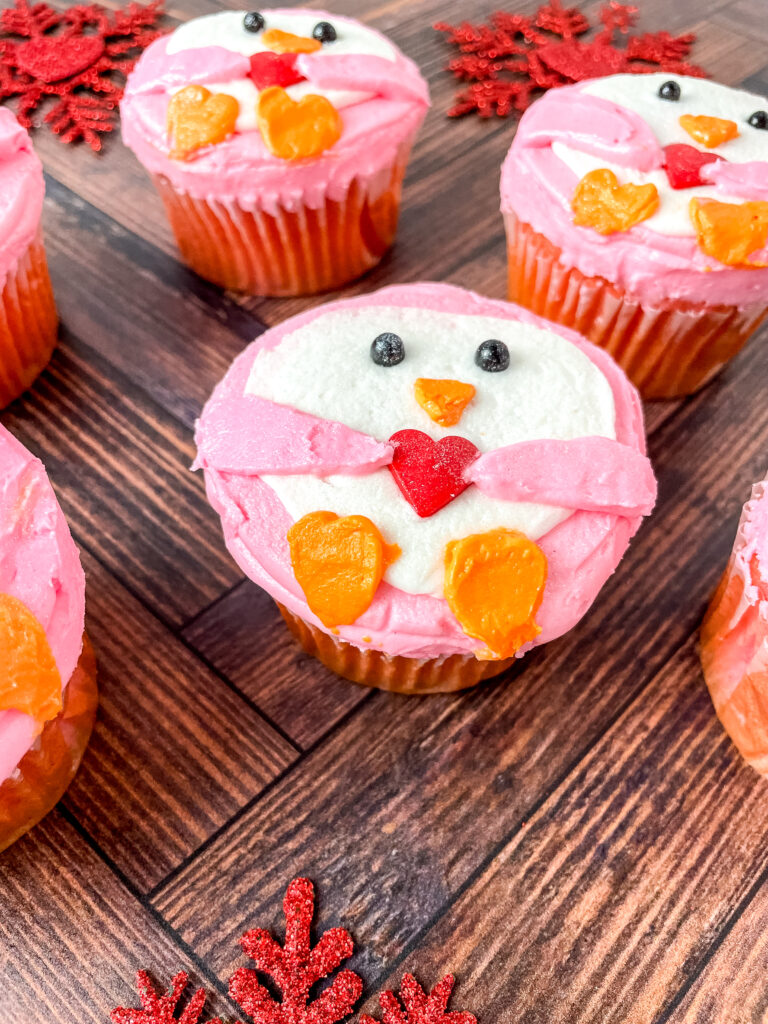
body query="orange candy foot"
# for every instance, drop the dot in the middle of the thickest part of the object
(730, 232)
(600, 202)
(339, 564)
(494, 585)
(295, 130)
(29, 679)
(197, 118)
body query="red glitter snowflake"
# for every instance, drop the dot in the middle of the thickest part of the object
(516, 56)
(296, 967)
(161, 1009)
(418, 1007)
(72, 57)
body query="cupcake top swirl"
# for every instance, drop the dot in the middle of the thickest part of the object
(658, 183)
(21, 192)
(42, 602)
(273, 104)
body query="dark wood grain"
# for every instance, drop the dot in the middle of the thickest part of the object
(578, 839)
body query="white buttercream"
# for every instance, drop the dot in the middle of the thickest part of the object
(551, 390)
(226, 30)
(639, 93)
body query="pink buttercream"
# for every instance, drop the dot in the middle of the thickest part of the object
(594, 474)
(582, 551)
(39, 565)
(537, 187)
(241, 169)
(21, 192)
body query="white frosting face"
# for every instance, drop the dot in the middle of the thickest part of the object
(698, 96)
(226, 30)
(550, 390)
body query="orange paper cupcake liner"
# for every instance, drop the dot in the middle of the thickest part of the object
(666, 351)
(49, 766)
(28, 323)
(391, 672)
(288, 252)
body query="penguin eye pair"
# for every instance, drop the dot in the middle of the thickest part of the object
(671, 91)
(388, 350)
(323, 31)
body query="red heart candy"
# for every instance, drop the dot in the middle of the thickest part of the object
(270, 68)
(683, 164)
(50, 59)
(430, 473)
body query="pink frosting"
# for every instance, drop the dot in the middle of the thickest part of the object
(21, 192)
(241, 169)
(582, 551)
(537, 187)
(39, 565)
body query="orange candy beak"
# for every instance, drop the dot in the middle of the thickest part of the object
(339, 564)
(709, 131)
(444, 401)
(494, 585)
(286, 42)
(29, 679)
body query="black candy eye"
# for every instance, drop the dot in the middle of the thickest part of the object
(253, 21)
(388, 349)
(492, 356)
(669, 90)
(324, 31)
(759, 119)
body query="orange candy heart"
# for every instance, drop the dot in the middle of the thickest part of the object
(339, 564)
(286, 42)
(730, 232)
(494, 585)
(444, 401)
(29, 679)
(709, 131)
(197, 117)
(600, 202)
(295, 130)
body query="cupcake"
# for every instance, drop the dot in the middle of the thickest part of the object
(734, 637)
(427, 482)
(278, 140)
(28, 321)
(47, 669)
(636, 210)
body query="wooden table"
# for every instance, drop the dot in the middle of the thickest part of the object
(578, 841)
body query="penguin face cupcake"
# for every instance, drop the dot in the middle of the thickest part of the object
(423, 476)
(286, 129)
(657, 187)
(47, 677)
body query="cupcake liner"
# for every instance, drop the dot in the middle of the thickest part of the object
(391, 672)
(288, 252)
(28, 323)
(667, 351)
(49, 766)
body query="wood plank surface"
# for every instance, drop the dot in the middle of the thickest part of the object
(578, 840)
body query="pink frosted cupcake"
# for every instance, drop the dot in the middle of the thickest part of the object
(47, 670)
(427, 482)
(28, 321)
(636, 210)
(278, 141)
(734, 637)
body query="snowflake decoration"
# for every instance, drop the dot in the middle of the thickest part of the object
(161, 1009)
(71, 57)
(296, 967)
(418, 1007)
(516, 56)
